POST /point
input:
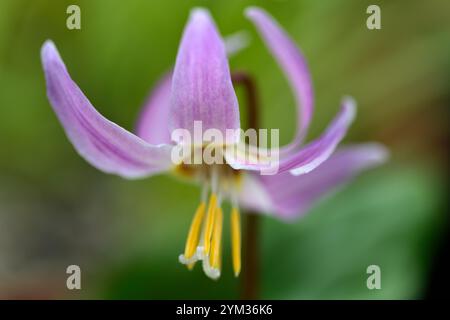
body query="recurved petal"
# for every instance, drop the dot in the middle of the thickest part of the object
(319, 150)
(201, 85)
(304, 160)
(104, 144)
(293, 64)
(288, 196)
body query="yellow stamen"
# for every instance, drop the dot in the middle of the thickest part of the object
(214, 258)
(209, 224)
(236, 240)
(194, 232)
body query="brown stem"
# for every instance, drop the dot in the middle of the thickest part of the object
(250, 267)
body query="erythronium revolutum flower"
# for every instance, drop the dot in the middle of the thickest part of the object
(200, 89)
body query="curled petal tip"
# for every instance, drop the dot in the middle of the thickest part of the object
(252, 11)
(383, 153)
(350, 104)
(200, 14)
(48, 44)
(377, 152)
(49, 51)
(323, 147)
(236, 42)
(102, 143)
(294, 65)
(349, 100)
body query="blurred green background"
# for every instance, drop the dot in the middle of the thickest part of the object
(56, 210)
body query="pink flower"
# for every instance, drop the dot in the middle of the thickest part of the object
(200, 89)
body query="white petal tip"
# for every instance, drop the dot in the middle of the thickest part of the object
(378, 153)
(350, 104)
(252, 11)
(300, 171)
(50, 53)
(48, 49)
(200, 14)
(48, 43)
(237, 42)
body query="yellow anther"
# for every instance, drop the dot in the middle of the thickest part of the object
(194, 231)
(236, 240)
(209, 224)
(216, 241)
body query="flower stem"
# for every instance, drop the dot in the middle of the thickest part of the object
(250, 267)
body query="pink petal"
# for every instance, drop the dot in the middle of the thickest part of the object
(310, 156)
(201, 87)
(101, 142)
(153, 121)
(293, 64)
(291, 196)
(319, 150)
